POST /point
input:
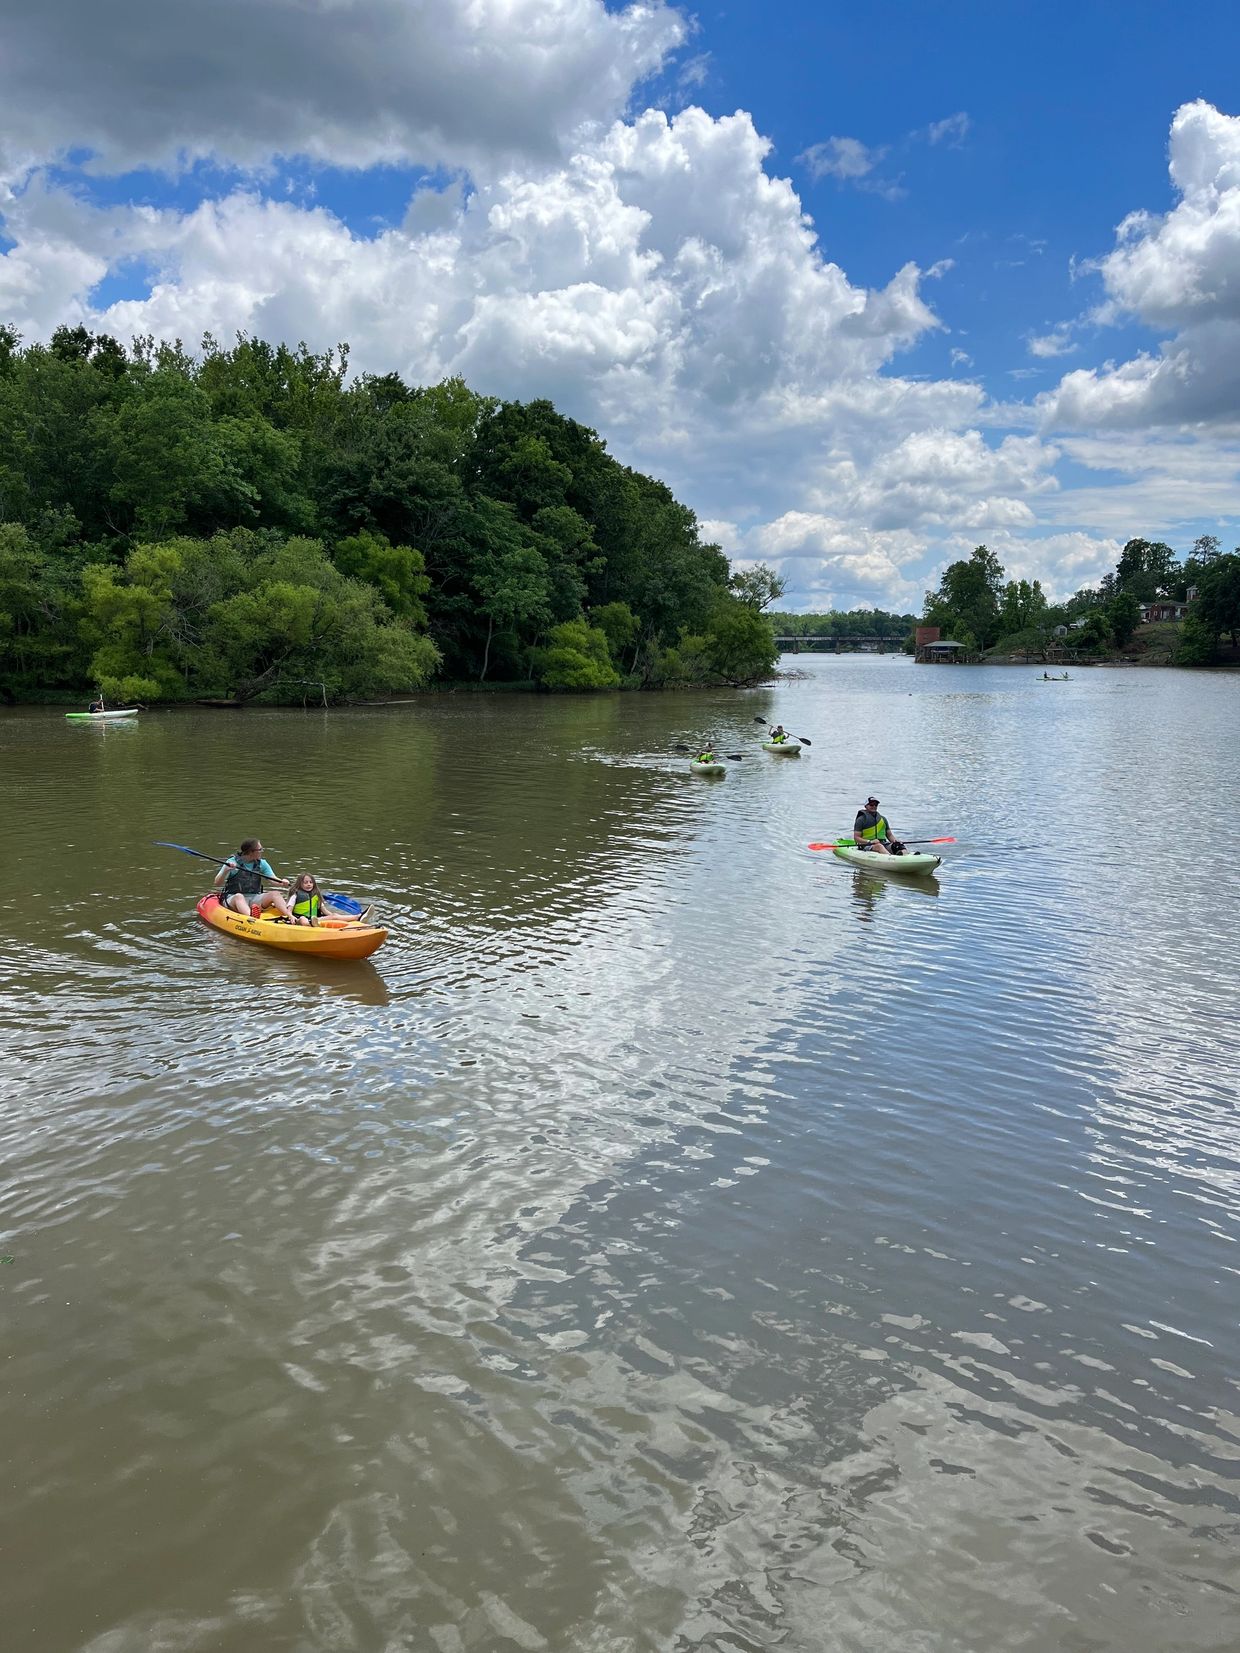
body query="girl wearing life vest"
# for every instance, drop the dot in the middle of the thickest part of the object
(241, 879)
(306, 900)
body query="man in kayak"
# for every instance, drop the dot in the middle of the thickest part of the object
(778, 735)
(240, 882)
(96, 705)
(871, 832)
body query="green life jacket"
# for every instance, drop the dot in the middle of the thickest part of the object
(778, 740)
(244, 879)
(306, 906)
(878, 830)
(706, 757)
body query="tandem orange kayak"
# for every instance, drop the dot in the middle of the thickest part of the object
(332, 938)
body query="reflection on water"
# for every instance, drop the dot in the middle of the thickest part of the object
(869, 888)
(668, 1240)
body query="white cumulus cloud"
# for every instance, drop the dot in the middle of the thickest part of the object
(1179, 272)
(356, 82)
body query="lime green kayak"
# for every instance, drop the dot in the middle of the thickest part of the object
(874, 862)
(99, 717)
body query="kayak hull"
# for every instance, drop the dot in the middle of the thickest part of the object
(783, 748)
(708, 769)
(331, 939)
(873, 862)
(99, 717)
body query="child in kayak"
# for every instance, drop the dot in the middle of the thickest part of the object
(778, 735)
(306, 900)
(241, 878)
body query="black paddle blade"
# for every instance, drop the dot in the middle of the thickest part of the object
(805, 740)
(763, 721)
(736, 757)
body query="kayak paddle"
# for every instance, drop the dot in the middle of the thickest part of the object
(845, 843)
(346, 903)
(735, 757)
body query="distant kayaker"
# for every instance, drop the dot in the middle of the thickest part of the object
(871, 832)
(306, 900)
(779, 734)
(240, 881)
(96, 706)
(706, 757)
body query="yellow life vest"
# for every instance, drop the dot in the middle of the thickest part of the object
(878, 830)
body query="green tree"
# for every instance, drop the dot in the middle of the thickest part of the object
(1023, 606)
(397, 572)
(758, 587)
(576, 657)
(740, 643)
(1197, 644)
(516, 595)
(619, 625)
(1095, 633)
(967, 604)
(1218, 597)
(1123, 615)
(38, 608)
(1146, 569)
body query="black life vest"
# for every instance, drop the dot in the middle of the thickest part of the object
(244, 879)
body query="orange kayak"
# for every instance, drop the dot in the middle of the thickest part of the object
(332, 938)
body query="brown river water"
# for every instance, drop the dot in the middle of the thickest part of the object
(672, 1239)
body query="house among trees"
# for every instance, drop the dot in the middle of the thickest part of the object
(1162, 608)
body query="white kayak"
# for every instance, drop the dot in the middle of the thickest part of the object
(873, 862)
(785, 748)
(697, 767)
(100, 717)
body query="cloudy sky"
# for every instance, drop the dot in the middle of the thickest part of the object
(865, 285)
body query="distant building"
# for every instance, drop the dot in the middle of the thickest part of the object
(942, 653)
(1163, 608)
(924, 635)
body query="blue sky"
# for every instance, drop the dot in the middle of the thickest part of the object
(849, 278)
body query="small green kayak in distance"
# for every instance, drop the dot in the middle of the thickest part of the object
(100, 717)
(697, 767)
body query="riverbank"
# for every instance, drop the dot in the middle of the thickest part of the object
(1152, 645)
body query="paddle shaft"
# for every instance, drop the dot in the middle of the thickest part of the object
(223, 860)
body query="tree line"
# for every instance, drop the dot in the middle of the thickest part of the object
(859, 622)
(974, 604)
(254, 522)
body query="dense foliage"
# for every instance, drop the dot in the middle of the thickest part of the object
(841, 623)
(252, 522)
(974, 605)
